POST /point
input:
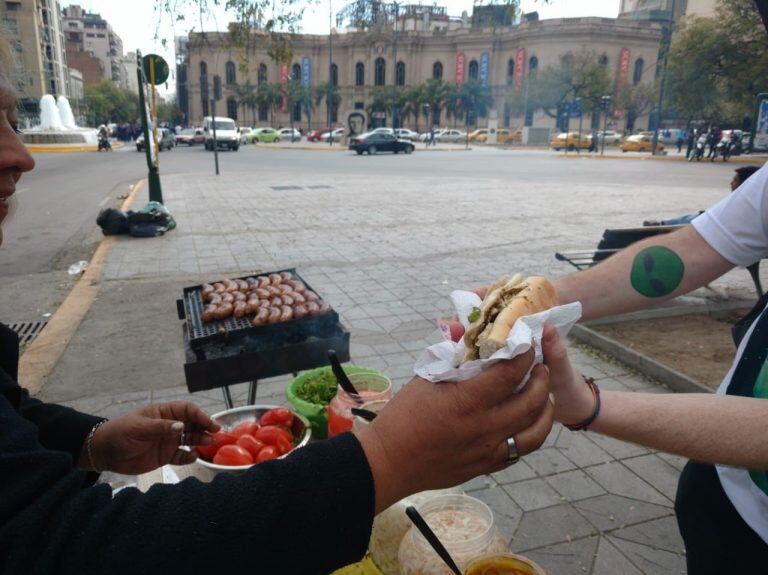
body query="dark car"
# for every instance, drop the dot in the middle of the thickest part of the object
(165, 140)
(379, 142)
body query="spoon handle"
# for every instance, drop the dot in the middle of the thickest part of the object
(342, 378)
(431, 538)
(364, 413)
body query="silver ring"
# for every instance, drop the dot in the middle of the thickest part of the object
(513, 456)
(183, 438)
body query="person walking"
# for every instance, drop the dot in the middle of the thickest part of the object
(689, 142)
(680, 140)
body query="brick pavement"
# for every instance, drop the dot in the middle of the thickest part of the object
(387, 261)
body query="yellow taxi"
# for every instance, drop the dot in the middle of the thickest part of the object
(640, 143)
(503, 136)
(571, 141)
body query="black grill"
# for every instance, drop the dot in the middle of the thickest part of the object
(28, 331)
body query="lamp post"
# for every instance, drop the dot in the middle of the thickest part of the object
(394, 57)
(329, 96)
(577, 101)
(292, 92)
(606, 101)
(429, 124)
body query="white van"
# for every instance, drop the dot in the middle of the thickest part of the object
(226, 133)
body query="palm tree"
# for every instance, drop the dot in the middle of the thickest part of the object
(435, 92)
(247, 98)
(321, 94)
(414, 100)
(475, 100)
(269, 95)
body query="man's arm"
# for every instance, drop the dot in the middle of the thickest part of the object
(647, 272)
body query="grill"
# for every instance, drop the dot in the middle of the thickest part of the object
(27, 331)
(225, 352)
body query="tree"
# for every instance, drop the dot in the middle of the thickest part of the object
(414, 102)
(634, 101)
(386, 98)
(105, 102)
(434, 92)
(718, 65)
(321, 93)
(269, 95)
(474, 100)
(247, 98)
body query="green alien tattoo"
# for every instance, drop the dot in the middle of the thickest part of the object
(657, 271)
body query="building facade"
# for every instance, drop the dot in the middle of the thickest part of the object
(131, 80)
(88, 36)
(453, 50)
(40, 67)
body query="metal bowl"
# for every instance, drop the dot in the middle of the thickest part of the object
(231, 418)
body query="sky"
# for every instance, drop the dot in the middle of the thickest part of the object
(142, 27)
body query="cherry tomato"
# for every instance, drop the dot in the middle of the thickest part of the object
(245, 428)
(250, 444)
(233, 455)
(269, 434)
(220, 438)
(268, 452)
(278, 416)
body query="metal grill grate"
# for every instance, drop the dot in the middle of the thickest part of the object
(28, 331)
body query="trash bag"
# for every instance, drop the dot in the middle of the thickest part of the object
(112, 222)
(152, 220)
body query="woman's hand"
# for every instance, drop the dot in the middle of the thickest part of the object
(574, 401)
(149, 438)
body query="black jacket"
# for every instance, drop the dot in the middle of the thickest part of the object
(309, 513)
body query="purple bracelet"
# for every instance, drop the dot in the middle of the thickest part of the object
(584, 425)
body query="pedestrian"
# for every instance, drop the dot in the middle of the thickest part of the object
(593, 141)
(713, 138)
(692, 134)
(680, 140)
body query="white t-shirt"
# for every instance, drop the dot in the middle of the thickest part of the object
(737, 228)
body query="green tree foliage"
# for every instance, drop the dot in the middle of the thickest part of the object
(718, 65)
(105, 102)
(634, 101)
(472, 101)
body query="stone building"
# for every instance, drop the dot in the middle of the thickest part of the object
(89, 36)
(427, 44)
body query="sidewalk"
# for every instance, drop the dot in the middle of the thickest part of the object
(582, 504)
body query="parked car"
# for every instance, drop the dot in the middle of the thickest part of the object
(640, 143)
(451, 136)
(314, 136)
(406, 134)
(503, 136)
(389, 131)
(285, 134)
(570, 141)
(244, 133)
(165, 140)
(190, 137)
(423, 137)
(611, 137)
(226, 133)
(264, 136)
(375, 142)
(336, 135)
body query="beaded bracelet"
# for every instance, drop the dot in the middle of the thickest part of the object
(88, 442)
(584, 425)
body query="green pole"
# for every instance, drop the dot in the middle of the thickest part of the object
(155, 190)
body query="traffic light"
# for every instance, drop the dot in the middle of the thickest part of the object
(217, 87)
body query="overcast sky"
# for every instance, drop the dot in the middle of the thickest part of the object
(141, 27)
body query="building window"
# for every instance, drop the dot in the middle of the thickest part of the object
(334, 75)
(436, 116)
(203, 69)
(262, 78)
(12, 25)
(359, 74)
(12, 6)
(296, 74)
(437, 71)
(359, 105)
(400, 74)
(296, 112)
(232, 108)
(603, 60)
(637, 76)
(230, 73)
(380, 74)
(533, 64)
(205, 108)
(474, 70)
(263, 112)
(510, 68)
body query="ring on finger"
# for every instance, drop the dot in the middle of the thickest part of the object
(183, 438)
(513, 456)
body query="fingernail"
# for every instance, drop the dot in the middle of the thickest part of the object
(177, 426)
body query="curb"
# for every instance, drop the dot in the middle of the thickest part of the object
(60, 150)
(40, 358)
(733, 160)
(673, 379)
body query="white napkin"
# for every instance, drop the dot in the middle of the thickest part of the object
(438, 362)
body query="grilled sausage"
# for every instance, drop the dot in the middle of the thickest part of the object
(273, 290)
(299, 311)
(252, 282)
(208, 314)
(325, 307)
(215, 298)
(206, 289)
(241, 309)
(223, 311)
(230, 286)
(285, 288)
(276, 301)
(252, 306)
(263, 281)
(286, 313)
(227, 297)
(313, 307)
(297, 286)
(311, 296)
(286, 276)
(239, 296)
(261, 316)
(218, 287)
(274, 314)
(263, 293)
(299, 297)
(275, 279)
(264, 303)
(287, 300)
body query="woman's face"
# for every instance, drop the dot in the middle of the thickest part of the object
(14, 157)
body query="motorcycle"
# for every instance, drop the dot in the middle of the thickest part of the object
(724, 148)
(698, 152)
(104, 144)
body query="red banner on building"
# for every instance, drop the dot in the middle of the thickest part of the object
(284, 75)
(519, 69)
(623, 76)
(460, 58)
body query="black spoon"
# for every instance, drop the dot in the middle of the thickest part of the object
(342, 378)
(364, 413)
(431, 538)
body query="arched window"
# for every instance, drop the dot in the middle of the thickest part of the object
(232, 108)
(638, 73)
(206, 112)
(334, 75)
(437, 71)
(474, 70)
(230, 73)
(359, 74)
(262, 78)
(203, 69)
(296, 112)
(510, 68)
(296, 73)
(603, 60)
(400, 74)
(380, 77)
(533, 64)
(263, 112)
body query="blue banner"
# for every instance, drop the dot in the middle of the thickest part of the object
(306, 77)
(485, 64)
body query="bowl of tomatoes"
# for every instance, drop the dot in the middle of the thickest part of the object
(252, 434)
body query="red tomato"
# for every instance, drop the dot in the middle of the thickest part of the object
(278, 416)
(283, 445)
(250, 444)
(233, 455)
(268, 452)
(220, 438)
(245, 428)
(269, 434)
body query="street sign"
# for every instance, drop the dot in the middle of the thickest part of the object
(162, 71)
(306, 73)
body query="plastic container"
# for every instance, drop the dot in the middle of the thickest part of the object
(375, 406)
(463, 524)
(504, 564)
(370, 386)
(317, 413)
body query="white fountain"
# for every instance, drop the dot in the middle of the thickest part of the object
(57, 126)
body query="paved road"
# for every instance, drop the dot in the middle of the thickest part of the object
(59, 201)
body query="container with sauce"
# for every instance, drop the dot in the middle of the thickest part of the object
(370, 386)
(463, 524)
(503, 564)
(376, 406)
